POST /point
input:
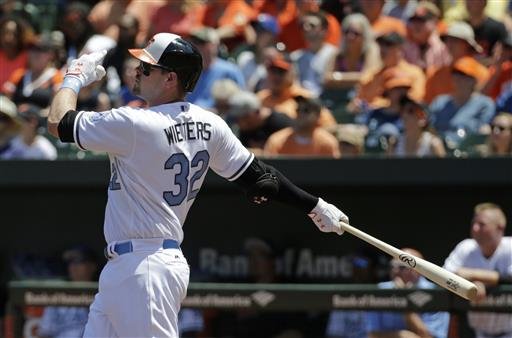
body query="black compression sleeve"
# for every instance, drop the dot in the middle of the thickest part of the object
(66, 127)
(287, 193)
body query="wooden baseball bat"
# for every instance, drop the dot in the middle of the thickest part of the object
(440, 276)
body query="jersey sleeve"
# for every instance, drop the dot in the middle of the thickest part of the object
(110, 131)
(230, 158)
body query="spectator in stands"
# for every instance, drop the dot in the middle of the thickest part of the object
(190, 323)
(485, 259)
(460, 42)
(423, 46)
(350, 139)
(416, 139)
(76, 28)
(288, 14)
(305, 138)
(214, 68)
(9, 125)
(487, 30)
(407, 324)
(373, 82)
(400, 9)
(38, 82)
(15, 35)
(358, 54)
(30, 144)
(310, 62)
(395, 88)
(69, 322)
(222, 91)
(352, 323)
(228, 18)
(466, 110)
(252, 61)
(255, 123)
(176, 16)
(282, 90)
(501, 69)
(499, 142)
(381, 24)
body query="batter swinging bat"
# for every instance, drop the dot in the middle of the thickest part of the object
(442, 277)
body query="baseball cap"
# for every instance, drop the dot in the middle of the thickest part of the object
(467, 65)
(267, 22)
(397, 82)
(243, 103)
(462, 30)
(280, 61)
(390, 39)
(425, 10)
(205, 34)
(48, 41)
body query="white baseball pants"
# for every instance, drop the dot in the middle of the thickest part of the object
(140, 293)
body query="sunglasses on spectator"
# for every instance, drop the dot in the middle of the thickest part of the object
(146, 68)
(352, 31)
(498, 128)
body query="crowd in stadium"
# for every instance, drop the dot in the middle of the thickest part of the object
(332, 78)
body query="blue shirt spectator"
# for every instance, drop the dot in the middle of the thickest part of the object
(447, 116)
(504, 101)
(436, 322)
(218, 70)
(63, 322)
(347, 324)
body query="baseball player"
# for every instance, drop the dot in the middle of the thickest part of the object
(159, 157)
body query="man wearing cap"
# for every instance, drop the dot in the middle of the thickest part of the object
(255, 123)
(465, 109)
(10, 125)
(29, 144)
(214, 68)
(372, 82)
(305, 137)
(282, 90)
(460, 42)
(423, 46)
(159, 157)
(252, 61)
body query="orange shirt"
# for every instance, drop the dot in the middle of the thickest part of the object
(439, 81)
(8, 66)
(372, 83)
(221, 13)
(288, 18)
(288, 142)
(386, 24)
(166, 19)
(286, 104)
(504, 79)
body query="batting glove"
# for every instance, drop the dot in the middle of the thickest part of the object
(327, 217)
(84, 71)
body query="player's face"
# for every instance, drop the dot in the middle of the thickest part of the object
(148, 81)
(484, 228)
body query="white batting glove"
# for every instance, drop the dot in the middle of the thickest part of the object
(327, 217)
(84, 71)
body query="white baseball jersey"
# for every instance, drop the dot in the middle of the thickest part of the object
(159, 157)
(468, 254)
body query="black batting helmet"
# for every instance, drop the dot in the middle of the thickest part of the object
(172, 52)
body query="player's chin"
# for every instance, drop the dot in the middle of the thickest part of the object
(136, 88)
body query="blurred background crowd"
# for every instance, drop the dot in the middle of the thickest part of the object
(331, 78)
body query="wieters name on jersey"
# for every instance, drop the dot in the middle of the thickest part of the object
(193, 130)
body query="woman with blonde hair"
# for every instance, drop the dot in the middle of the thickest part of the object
(358, 53)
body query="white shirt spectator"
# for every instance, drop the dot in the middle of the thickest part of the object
(40, 149)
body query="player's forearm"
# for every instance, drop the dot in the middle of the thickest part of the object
(488, 277)
(64, 100)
